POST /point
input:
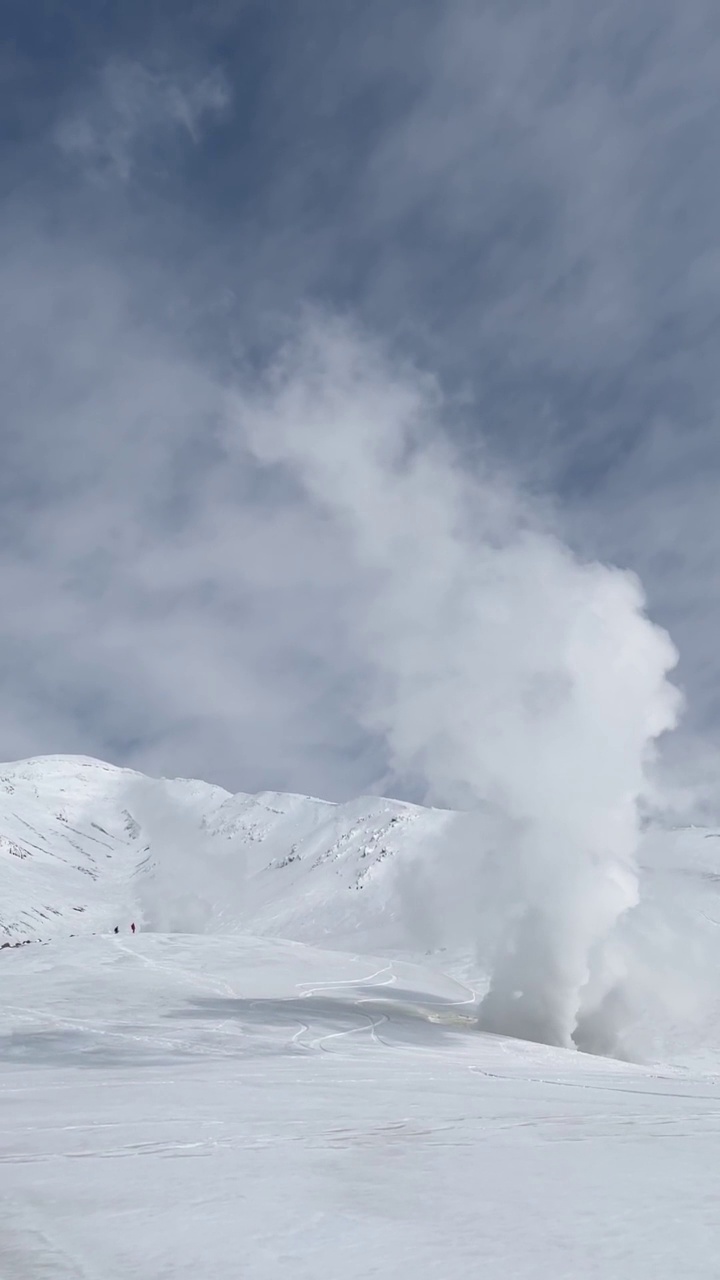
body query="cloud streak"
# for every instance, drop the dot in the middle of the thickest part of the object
(133, 113)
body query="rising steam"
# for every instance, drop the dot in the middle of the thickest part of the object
(187, 877)
(509, 675)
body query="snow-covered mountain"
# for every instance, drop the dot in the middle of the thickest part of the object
(86, 845)
(282, 1072)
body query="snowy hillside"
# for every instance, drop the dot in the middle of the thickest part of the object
(85, 846)
(283, 1073)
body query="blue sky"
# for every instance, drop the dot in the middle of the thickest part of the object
(517, 202)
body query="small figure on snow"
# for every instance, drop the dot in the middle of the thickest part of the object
(132, 927)
(116, 929)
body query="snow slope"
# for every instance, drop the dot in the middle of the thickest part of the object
(272, 1079)
(85, 846)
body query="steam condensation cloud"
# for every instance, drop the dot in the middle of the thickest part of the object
(512, 677)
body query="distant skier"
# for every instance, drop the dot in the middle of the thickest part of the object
(116, 929)
(132, 927)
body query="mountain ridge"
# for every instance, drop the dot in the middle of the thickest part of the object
(82, 842)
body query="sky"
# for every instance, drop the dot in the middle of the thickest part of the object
(483, 236)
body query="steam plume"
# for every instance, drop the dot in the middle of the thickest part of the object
(508, 674)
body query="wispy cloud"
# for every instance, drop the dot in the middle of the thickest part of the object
(521, 202)
(133, 111)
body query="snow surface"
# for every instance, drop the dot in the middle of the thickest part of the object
(275, 1077)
